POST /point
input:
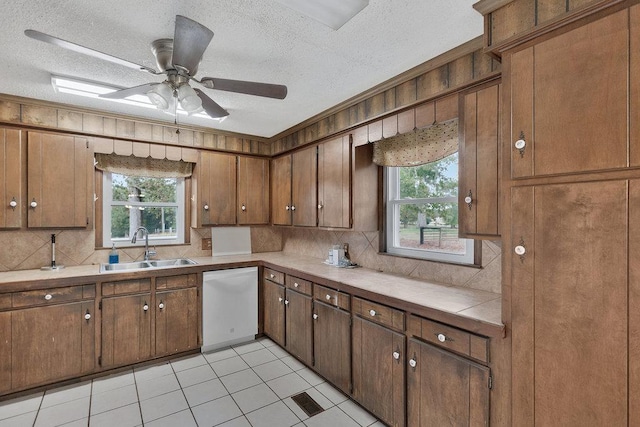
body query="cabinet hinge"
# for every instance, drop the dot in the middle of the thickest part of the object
(490, 382)
(87, 142)
(87, 220)
(99, 360)
(100, 305)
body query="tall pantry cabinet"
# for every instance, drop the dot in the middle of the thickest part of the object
(571, 191)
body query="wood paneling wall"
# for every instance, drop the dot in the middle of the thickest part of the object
(438, 77)
(44, 115)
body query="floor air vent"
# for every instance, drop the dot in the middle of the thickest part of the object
(308, 405)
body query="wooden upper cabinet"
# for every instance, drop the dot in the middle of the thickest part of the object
(334, 183)
(304, 187)
(217, 189)
(479, 163)
(281, 190)
(564, 124)
(253, 190)
(12, 166)
(59, 180)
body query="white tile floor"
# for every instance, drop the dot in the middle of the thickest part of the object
(247, 385)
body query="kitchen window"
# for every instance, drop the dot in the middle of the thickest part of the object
(422, 212)
(129, 202)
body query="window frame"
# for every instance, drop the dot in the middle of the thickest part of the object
(108, 202)
(392, 224)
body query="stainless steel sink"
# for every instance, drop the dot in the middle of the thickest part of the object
(145, 265)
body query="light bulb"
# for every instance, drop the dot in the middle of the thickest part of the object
(189, 99)
(161, 95)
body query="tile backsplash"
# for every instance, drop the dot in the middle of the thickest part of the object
(28, 249)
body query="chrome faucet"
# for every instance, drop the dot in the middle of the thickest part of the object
(147, 253)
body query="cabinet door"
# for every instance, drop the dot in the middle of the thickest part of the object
(478, 189)
(12, 164)
(5, 352)
(51, 343)
(334, 183)
(444, 389)
(566, 121)
(332, 345)
(217, 188)
(304, 187)
(176, 321)
(59, 169)
(126, 330)
(299, 327)
(274, 325)
(281, 190)
(378, 376)
(569, 303)
(253, 190)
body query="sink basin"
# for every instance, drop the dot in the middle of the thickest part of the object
(145, 265)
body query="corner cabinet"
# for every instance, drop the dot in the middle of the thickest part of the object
(12, 167)
(59, 181)
(479, 168)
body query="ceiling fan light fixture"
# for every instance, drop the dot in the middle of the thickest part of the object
(189, 99)
(161, 96)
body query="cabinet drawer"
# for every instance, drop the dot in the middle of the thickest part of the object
(274, 276)
(126, 287)
(456, 340)
(176, 282)
(300, 285)
(47, 296)
(379, 313)
(5, 301)
(331, 296)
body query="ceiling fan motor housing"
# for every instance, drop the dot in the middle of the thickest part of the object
(163, 51)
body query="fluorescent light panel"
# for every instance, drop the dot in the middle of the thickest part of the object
(332, 13)
(90, 89)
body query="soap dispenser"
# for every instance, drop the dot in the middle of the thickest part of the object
(114, 258)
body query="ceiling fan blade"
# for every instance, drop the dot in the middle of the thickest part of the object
(136, 90)
(250, 88)
(190, 40)
(37, 35)
(214, 110)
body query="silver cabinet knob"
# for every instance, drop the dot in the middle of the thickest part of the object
(205, 207)
(161, 305)
(87, 316)
(468, 200)
(442, 337)
(286, 302)
(372, 313)
(293, 208)
(244, 208)
(33, 203)
(13, 203)
(319, 206)
(287, 207)
(396, 355)
(520, 144)
(48, 297)
(145, 307)
(328, 297)
(315, 316)
(520, 250)
(279, 299)
(296, 284)
(413, 363)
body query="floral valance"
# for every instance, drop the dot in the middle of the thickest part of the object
(418, 147)
(143, 166)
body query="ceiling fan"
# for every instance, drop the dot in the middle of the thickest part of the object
(178, 59)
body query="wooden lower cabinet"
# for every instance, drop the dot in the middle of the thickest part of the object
(298, 325)
(5, 352)
(445, 389)
(379, 371)
(51, 343)
(332, 344)
(126, 329)
(176, 321)
(274, 325)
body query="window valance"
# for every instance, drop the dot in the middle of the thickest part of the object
(418, 147)
(143, 166)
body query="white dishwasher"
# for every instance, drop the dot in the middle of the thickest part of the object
(229, 307)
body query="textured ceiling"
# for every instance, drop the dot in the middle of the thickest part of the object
(254, 40)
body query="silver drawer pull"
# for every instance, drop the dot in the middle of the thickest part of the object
(48, 297)
(273, 276)
(296, 284)
(328, 297)
(372, 313)
(441, 337)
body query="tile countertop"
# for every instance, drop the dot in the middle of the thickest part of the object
(479, 311)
